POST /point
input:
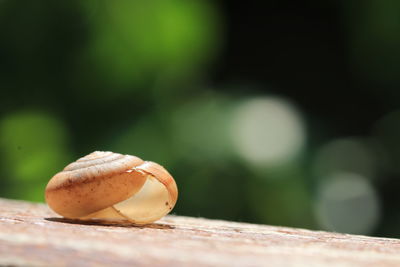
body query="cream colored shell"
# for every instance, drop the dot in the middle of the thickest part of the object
(107, 185)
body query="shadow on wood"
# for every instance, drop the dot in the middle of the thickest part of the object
(109, 223)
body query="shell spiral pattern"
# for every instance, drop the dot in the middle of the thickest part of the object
(107, 185)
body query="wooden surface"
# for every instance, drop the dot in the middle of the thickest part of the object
(30, 234)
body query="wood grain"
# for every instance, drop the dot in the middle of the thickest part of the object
(30, 234)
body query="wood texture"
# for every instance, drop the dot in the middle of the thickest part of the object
(30, 234)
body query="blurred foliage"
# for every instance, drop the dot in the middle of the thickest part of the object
(286, 114)
(34, 146)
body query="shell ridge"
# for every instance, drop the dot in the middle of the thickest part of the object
(93, 162)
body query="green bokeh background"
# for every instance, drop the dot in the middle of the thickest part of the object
(163, 80)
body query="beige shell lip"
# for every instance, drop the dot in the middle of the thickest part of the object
(139, 191)
(161, 174)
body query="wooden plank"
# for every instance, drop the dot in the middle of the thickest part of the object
(30, 234)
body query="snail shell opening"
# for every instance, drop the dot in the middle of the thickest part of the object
(111, 186)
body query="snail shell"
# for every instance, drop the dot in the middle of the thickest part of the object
(107, 185)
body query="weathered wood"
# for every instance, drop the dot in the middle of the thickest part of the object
(30, 234)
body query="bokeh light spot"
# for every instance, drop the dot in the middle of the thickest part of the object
(347, 203)
(267, 131)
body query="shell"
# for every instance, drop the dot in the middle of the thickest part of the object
(107, 185)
